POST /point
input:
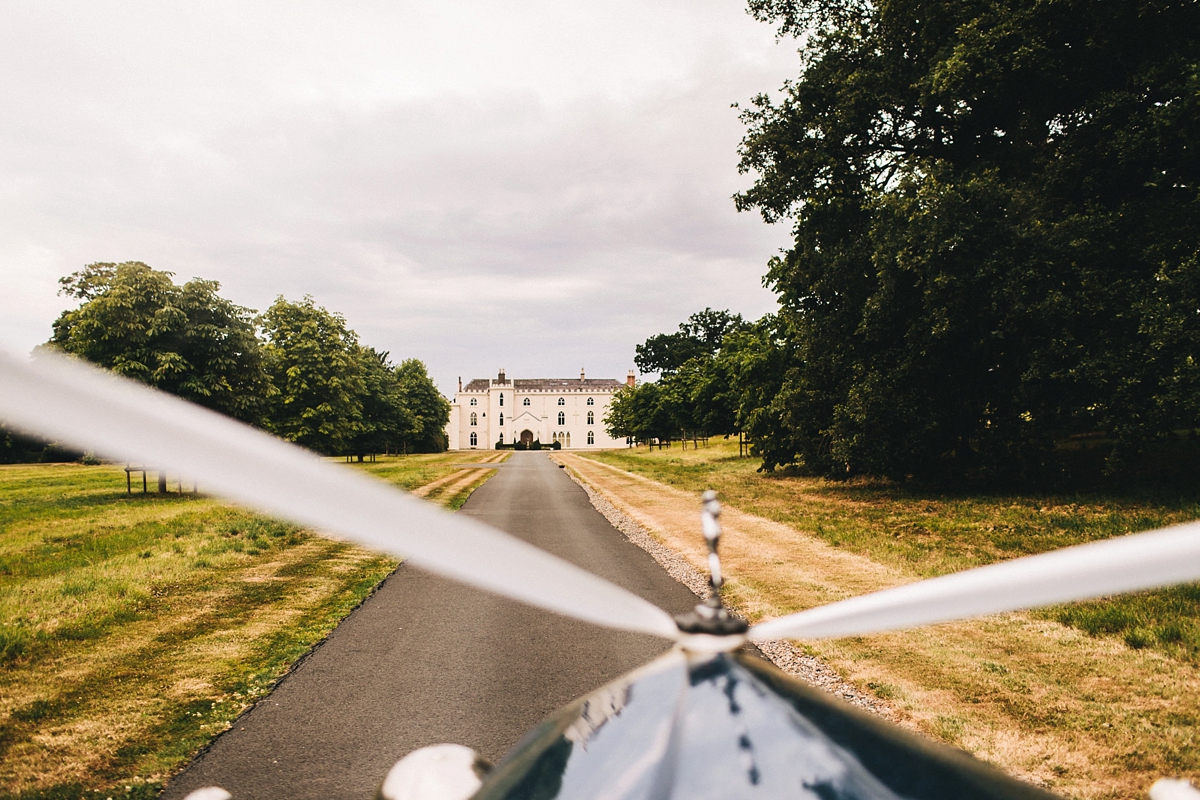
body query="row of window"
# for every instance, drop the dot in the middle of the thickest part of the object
(557, 437)
(565, 438)
(562, 418)
(562, 401)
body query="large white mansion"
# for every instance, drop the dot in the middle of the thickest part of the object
(487, 412)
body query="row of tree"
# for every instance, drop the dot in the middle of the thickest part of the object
(696, 390)
(996, 209)
(296, 369)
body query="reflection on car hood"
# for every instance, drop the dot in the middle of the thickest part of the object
(688, 727)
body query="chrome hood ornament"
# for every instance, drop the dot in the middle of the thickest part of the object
(712, 617)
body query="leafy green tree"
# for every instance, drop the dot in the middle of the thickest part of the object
(387, 423)
(619, 420)
(759, 362)
(640, 412)
(429, 410)
(186, 340)
(699, 398)
(695, 392)
(743, 379)
(317, 368)
(700, 335)
(997, 221)
(18, 449)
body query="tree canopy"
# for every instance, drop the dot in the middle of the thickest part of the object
(317, 368)
(338, 396)
(997, 230)
(387, 423)
(430, 411)
(699, 336)
(308, 379)
(695, 392)
(638, 412)
(186, 340)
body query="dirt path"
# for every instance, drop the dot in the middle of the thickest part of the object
(459, 479)
(693, 574)
(449, 485)
(774, 553)
(1086, 717)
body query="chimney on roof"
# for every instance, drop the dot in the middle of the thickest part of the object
(460, 383)
(581, 374)
(500, 377)
(630, 380)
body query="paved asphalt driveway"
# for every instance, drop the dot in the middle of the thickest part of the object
(426, 660)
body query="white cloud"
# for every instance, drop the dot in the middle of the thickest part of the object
(540, 185)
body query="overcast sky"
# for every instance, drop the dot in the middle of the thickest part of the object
(532, 185)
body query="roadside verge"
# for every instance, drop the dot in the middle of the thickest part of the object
(782, 653)
(1088, 717)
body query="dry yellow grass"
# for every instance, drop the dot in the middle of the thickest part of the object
(133, 629)
(160, 663)
(1087, 717)
(459, 480)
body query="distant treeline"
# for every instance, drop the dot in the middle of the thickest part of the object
(698, 390)
(996, 219)
(296, 369)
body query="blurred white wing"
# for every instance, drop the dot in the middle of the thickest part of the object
(1124, 564)
(117, 418)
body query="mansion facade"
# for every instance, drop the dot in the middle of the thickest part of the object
(488, 411)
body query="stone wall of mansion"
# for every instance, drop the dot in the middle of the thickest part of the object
(488, 411)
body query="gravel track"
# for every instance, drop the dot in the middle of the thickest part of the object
(781, 652)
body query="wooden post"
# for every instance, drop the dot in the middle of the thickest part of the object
(128, 481)
(162, 481)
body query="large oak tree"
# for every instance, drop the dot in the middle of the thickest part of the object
(996, 209)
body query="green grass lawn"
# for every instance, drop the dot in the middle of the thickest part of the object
(928, 532)
(135, 628)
